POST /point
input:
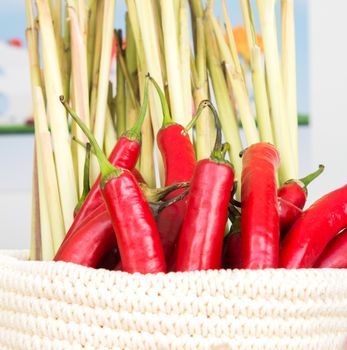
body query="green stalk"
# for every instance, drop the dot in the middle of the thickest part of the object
(226, 112)
(86, 185)
(131, 65)
(92, 11)
(289, 71)
(238, 86)
(309, 178)
(288, 168)
(120, 97)
(107, 169)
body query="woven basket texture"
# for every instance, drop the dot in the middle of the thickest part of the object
(49, 305)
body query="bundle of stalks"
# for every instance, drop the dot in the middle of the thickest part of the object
(188, 51)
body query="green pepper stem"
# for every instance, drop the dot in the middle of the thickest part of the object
(106, 167)
(135, 131)
(167, 119)
(156, 194)
(86, 184)
(309, 178)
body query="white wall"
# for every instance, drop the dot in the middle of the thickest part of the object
(328, 91)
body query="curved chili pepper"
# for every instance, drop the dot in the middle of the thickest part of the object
(201, 237)
(179, 162)
(288, 214)
(295, 191)
(260, 235)
(93, 243)
(136, 232)
(124, 155)
(89, 242)
(310, 234)
(335, 253)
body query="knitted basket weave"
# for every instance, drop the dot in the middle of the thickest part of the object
(49, 305)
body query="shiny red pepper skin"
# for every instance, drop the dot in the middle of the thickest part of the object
(138, 238)
(310, 234)
(288, 214)
(335, 253)
(260, 234)
(124, 155)
(201, 238)
(293, 192)
(179, 163)
(90, 242)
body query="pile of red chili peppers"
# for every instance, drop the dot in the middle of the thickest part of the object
(195, 222)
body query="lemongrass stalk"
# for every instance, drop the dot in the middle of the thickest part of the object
(224, 103)
(66, 59)
(147, 165)
(230, 36)
(173, 66)
(289, 71)
(238, 86)
(47, 246)
(96, 62)
(258, 76)
(56, 113)
(185, 59)
(150, 42)
(80, 85)
(92, 11)
(260, 96)
(120, 99)
(266, 9)
(131, 65)
(110, 133)
(128, 81)
(50, 177)
(151, 47)
(35, 241)
(105, 63)
(205, 129)
(155, 13)
(57, 22)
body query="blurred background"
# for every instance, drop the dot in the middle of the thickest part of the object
(321, 77)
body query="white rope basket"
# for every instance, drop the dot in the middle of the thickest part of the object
(49, 305)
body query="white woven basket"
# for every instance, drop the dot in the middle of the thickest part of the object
(47, 305)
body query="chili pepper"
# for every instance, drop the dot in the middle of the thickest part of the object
(124, 155)
(295, 191)
(260, 235)
(89, 242)
(317, 225)
(232, 242)
(201, 237)
(335, 253)
(110, 259)
(134, 225)
(288, 214)
(94, 240)
(86, 186)
(179, 162)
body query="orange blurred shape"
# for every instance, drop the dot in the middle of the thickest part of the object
(241, 42)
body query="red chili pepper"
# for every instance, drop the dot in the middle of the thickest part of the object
(94, 239)
(335, 253)
(201, 237)
(295, 191)
(137, 235)
(260, 234)
(310, 234)
(124, 155)
(179, 162)
(232, 256)
(90, 242)
(288, 214)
